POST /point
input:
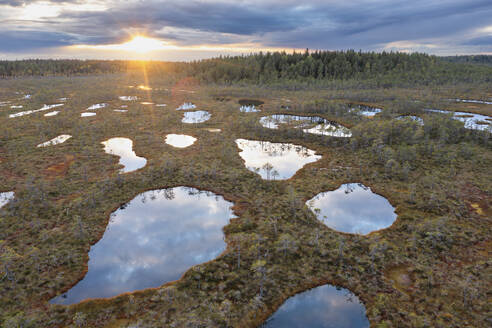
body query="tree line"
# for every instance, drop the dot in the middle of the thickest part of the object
(388, 68)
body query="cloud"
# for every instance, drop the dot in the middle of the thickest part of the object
(328, 24)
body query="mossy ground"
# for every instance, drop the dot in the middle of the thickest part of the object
(65, 194)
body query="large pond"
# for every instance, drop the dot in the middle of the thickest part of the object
(472, 121)
(353, 208)
(309, 124)
(123, 147)
(180, 140)
(274, 161)
(322, 307)
(151, 240)
(198, 116)
(6, 197)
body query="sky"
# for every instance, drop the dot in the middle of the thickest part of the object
(181, 30)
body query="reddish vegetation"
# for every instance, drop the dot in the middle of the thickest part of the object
(59, 169)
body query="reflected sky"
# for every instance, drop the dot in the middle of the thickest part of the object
(284, 159)
(123, 147)
(198, 116)
(53, 113)
(365, 110)
(128, 98)
(310, 124)
(55, 141)
(417, 119)
(249, 109)
(353, 208)
(6, 197)
(151, 240)
(472, 121)
(29, 112)
(473, 101)
(180, 140)
(87, 114)
(96, 106)
(321, 307)
(186, 106)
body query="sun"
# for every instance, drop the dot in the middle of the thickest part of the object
(142, 44)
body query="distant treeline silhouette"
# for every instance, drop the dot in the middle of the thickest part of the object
(470, 59)
(386, 67)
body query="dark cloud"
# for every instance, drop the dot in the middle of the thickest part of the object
(482, 41)
(327, 24)
(15, 41)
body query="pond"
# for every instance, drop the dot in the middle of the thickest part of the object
(151, 240)
(123, 147)
(146, 103)
(472, 121)
(180, 140)
(474, 101)
(6, 197)
(198, 116)
(365, 110)
(120, 110)
(309, 124)
(55, 141)
(53, 113)
(274, 161)
(97, 106)
(186, 106)
(353, 208)
(87, 114)
(28, 112)
(249, 109)
(250, 102)
(128, 98)
(322, 307)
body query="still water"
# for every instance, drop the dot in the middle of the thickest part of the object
(123, 147)
(198, 116)
(353, 208)
(29, 112)
(309, 124)
(55, 141)
(365, 110)
(322, 307)
(151, 240)
(180, 140)
(6, 197)
(274, 161)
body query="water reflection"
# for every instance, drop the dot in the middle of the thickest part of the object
(53, 113)
(274, 161)
(16, 106)
(123, 147)
(96, 106)
(472, 121)
(28, 112)
(153, 239)
(309, 124)
(120, 110)
(365, 110)
(199, 116)
(186, 106)
(474, 101)
(128, 98)
(6, 197)
(180, 140)
(353, 208)
(321, 307)
(87, 114)
(249, 109)
(55, 141)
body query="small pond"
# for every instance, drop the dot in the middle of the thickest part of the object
(96, 106)
(309, 124)
(472, 121)
(250, 102)
(322, 307)
(123, 147)
(365, 110)
(353, 208)
(128, 98)
(28, 112)
(120, 110)
(88, 114)
(249, 109)
(151, 240)
(274, 161)
(160, 105)
(53, 113)
(6, 197)
(414, 118)
(146, 103)
(55, 141)
(186, 106)
(198, 116)
(473, 101)
(180, 140)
